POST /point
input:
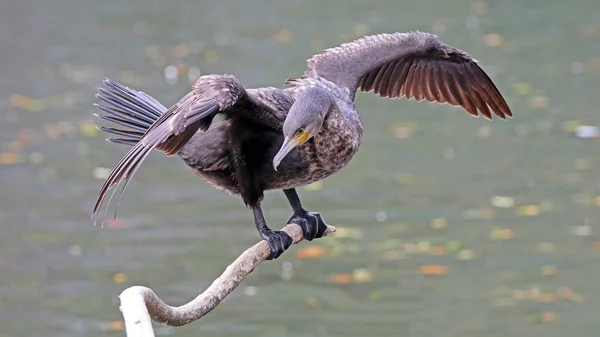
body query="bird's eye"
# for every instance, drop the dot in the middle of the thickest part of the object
(300, 131)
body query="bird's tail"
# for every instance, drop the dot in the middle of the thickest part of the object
(125, 107)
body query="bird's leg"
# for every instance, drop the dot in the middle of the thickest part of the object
(312, 224)
(278, 241)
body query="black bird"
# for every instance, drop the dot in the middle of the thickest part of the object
(273, 138)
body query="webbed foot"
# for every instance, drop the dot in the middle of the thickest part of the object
(312, 224)
(278, 242)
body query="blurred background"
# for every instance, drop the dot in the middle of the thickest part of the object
(447, 224)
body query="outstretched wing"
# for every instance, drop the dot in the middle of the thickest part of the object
(416, 65)
(210, 95)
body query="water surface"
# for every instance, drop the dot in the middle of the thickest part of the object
(449, 225)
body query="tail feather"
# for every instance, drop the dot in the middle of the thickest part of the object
(153, 107)
(151, 126)
(125, 108)
(128, 123)
(122, 106)
(124, 133)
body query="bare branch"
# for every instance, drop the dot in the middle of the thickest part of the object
(140, 304)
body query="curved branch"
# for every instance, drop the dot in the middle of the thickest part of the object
(140, 304)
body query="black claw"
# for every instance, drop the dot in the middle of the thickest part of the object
(278, 241)
(312, 224)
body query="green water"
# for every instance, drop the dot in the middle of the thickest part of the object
(450, 225)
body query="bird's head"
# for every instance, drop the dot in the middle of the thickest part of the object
(303, 121)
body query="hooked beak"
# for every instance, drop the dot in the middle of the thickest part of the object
(288, 145)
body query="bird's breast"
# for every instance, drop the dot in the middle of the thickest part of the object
(315, 160)
(335, 149)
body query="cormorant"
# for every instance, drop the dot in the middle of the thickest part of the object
(273, 138)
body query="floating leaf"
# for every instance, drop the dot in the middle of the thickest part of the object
(119, 277)
(211, 56)
(345, 232)
(115, 223)
(340, 278)
(75, 250)
(533, 318)
(410, 247)
(485, 131)
(88, 129)
(310, 252)
(52, 131)
(342, 232)
(116, 326)
(16, 145)
(9, 158)
(394, 255)
(531, 293)
(518, 294)
(314, 303)
(403, 132)
(27, 135)
(571, 126)
(547, 270)
(376, 295)
(389, 244)
(316, 186)
(35, 105)
(284, 36)
(522, 88)
(126, 75)
(546, 247)
(465, 254)
(546, 297)
(362, 275)
(485, 213)
(18, 101)
(528, 210)
(437, 223)
(479, 8)
(437, 250)
(101, 173)
(453, 246)
(502, 233)
(361, 29)
(250, 291)
(433, 270)
(549, 316)
(568, 294)
(583, 230)
(36, 158)
(180, 50)
(503, 202)
(494, 40)
(423, 246)
(539, 102)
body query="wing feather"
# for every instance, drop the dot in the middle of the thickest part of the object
(415, 65)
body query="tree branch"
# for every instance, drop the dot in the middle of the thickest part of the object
(140, 304)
